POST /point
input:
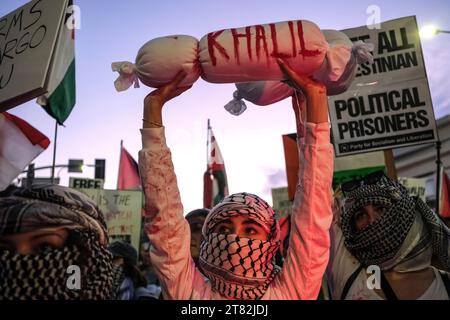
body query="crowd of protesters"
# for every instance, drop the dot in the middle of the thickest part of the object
(370, 240)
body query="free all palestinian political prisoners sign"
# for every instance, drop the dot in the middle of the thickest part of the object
(389, 103)
(28, 37)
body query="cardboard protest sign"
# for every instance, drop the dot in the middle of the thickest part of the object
(122, 210)
(28, 37)
(389, 103)
(357, 166)
(416, 186)
(281, 203)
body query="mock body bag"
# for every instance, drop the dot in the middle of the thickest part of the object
(237, 55)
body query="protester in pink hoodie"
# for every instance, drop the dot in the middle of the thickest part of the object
(241, 233)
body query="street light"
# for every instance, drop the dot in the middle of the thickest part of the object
(428, 31)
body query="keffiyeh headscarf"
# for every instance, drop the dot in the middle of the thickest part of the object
(45, 275)
(240, 268)
(405, 236)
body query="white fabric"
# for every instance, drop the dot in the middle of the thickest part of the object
(241, 61)
(421, 260)
(16, 151)
(359, 290)
(336, 73)
(127, 75)
(343, 264)
(239, 55)
(338, 55)
(264, 93)
(159, 61)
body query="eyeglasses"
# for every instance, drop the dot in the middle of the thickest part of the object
(370, 179)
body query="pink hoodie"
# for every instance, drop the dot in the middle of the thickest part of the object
(169, 233)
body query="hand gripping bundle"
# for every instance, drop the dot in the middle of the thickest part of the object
(337, 81)
(238, 55)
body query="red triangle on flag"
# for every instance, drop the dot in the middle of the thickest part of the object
(445, 196)
(128, 172)
(34, 136)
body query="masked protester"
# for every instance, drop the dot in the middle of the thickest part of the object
(127, 276)
(52, 246)
(380, 228)
(241, 233)
(196, 220)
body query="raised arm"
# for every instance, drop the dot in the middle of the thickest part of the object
(165, 225)
(309, 243)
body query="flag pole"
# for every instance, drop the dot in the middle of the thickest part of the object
(438, 176)
(120, 160)
(54, 152)
(207, 142)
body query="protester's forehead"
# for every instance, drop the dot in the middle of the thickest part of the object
(195, 219)
(36, 233)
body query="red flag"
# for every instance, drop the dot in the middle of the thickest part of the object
(128, 172)
(445, 196)
(20, 144)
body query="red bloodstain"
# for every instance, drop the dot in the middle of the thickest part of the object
(261, 36)
(291, 30)
(212, 43)
(303, 51)
(275, 53)
(236, 37)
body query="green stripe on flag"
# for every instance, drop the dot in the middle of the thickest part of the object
(62, 100)
(347, 175)
(221, 184)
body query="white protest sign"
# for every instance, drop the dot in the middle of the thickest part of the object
(416, 186)
(389, 103)
(122, 210)
(27, 40)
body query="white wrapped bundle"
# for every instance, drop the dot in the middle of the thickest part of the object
(249, 53)
(336, 79)
(159, 61)
(239, 55)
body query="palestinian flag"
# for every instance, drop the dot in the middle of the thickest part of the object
(20, 145)
(128, 172)
(60, 99)
(444, 201)
(215, 185)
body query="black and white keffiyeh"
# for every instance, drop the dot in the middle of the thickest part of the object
(45, 275)
(27, 209)
(240, 268)
(404, 237)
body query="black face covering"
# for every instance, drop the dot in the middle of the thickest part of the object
(46, 275)
(389, 241)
